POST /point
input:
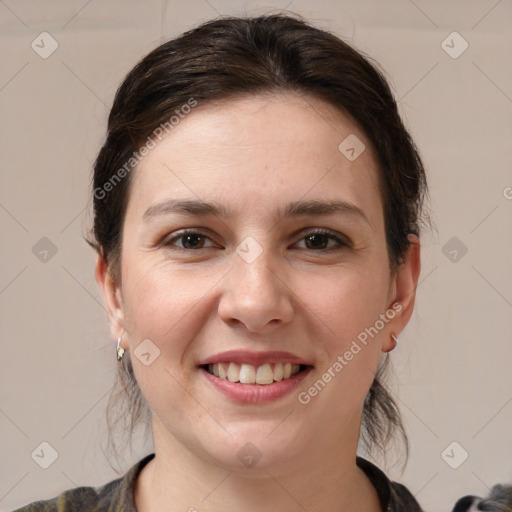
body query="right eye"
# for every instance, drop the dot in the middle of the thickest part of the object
(190, 240)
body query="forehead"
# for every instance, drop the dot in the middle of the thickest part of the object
(260, 152)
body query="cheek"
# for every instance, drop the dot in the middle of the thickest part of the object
(168, 309)
(349, 302)
(347, 308)
(164, 304)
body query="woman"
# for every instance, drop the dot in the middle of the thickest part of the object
(257, 205)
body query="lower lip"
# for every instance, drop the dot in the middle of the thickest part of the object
(256, 393)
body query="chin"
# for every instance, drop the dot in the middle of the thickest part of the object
(255, 452)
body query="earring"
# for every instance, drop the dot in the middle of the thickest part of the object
(395, 342)
(120, 351)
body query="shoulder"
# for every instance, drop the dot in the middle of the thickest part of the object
(78, 499)
(81, 498)
(403, 499)
(115, 496)
(394, 497)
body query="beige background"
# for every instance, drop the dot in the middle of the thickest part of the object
(453, 365)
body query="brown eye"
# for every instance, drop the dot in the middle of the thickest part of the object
(323, 241)
(188, 240)
(316, 241)
(194, 241)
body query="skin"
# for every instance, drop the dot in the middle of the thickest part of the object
(255, 155)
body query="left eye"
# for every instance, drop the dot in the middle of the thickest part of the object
(320, 241)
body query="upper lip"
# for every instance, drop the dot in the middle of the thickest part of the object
(254, 358)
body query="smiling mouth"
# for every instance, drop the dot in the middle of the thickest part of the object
(262, 375)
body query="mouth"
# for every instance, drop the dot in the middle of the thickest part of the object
(250, 377)
(251, 374)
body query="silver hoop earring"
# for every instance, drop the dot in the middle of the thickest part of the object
(394, 339)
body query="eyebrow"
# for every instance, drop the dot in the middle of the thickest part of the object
(295, 209)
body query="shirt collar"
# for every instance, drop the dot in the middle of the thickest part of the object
(124, 499)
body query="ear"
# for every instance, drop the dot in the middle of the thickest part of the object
(112, 296)
(403, 290)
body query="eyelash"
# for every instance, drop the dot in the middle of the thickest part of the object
(342, 244)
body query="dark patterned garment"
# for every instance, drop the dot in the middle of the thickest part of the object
(117, 496)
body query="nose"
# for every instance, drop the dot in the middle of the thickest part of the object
(256, 295)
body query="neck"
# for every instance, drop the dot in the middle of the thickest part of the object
(324, 479)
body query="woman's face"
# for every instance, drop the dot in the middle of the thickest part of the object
(284, 264)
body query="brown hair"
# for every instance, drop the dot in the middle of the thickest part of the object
(232, 56)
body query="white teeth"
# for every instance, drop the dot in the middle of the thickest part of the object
(247, 374)
(233, 372)
(265, 374)
(278, 372)
(250, 374)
